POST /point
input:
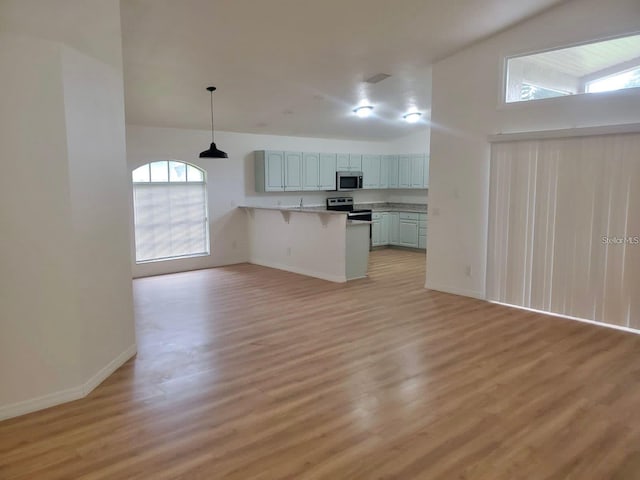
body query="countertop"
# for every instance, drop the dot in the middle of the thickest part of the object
(311, 209)
(374, 206)
(394, 207)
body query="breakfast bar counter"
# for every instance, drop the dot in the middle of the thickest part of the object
(310, 241)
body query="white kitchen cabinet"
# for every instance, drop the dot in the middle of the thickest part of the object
(342, 162)
(384, 229)
(394, 227)
(408, 233)
(328, 171)
(318, 171)
(417, 170)
(384, 172)
(379, 229)
(310, 171)
(269, 171)
(391, 163)
(404, 171)
(277, 171)
(349, 162)
(293, 171)
(426, 171)
(355, 162)
(408, 229)
(422, 231)
(376, 225)
(371, 171)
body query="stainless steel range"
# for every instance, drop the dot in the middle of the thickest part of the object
(345, 204)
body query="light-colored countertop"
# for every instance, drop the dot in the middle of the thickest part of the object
(394, 207)
(280, 208)
(374, 206)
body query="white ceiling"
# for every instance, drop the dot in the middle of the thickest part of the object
(296, 67)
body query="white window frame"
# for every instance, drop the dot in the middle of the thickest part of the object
(504, 77)
(186, 181)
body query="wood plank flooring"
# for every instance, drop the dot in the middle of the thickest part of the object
(245, 372)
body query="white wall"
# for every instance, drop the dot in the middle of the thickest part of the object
(466, 107)
(231, 182)
(303, 245)
(65, 284)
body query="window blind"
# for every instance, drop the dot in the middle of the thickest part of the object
(564, 227)
(170, 220)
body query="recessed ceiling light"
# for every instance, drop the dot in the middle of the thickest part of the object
(412, 117)
(363, 111)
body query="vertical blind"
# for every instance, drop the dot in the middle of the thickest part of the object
(170, 220)
(564, 227)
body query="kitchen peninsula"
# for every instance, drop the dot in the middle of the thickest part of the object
(310, 241)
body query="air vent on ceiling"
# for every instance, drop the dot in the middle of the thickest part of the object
(377, 78)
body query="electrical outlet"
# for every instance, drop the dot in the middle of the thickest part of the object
(288, 251)
(468, 272)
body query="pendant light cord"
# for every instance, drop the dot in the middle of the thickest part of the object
(212, 139)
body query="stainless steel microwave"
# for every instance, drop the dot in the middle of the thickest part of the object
(346, 181)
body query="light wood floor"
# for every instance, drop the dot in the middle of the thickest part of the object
(250, 373)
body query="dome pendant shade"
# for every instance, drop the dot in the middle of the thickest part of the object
(213, 151)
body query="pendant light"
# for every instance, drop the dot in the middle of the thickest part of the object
(213, 151)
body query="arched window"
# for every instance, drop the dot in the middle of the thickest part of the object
(170, 211)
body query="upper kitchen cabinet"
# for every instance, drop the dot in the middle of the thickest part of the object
(278, 171)
(318, 171)
(328, 162)
(412, 171)
(426, 171)
(349, 162)
(390, 165)
(371, 171)
(310, 171)
(355, 162)
(293, 171)
(417, 171)
(269, 171)
(404, 171)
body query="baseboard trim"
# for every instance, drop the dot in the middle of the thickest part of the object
(108, 369)
(300, 271)
(63, 396)
(569, 317)
(457, 291)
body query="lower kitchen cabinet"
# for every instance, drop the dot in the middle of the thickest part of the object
(384, 229)
(379, 229)
(394, 226)
(408, 233)
(406, 229)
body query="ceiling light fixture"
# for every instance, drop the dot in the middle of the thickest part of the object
(213, 151)
(412, 117)
(363, 111)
